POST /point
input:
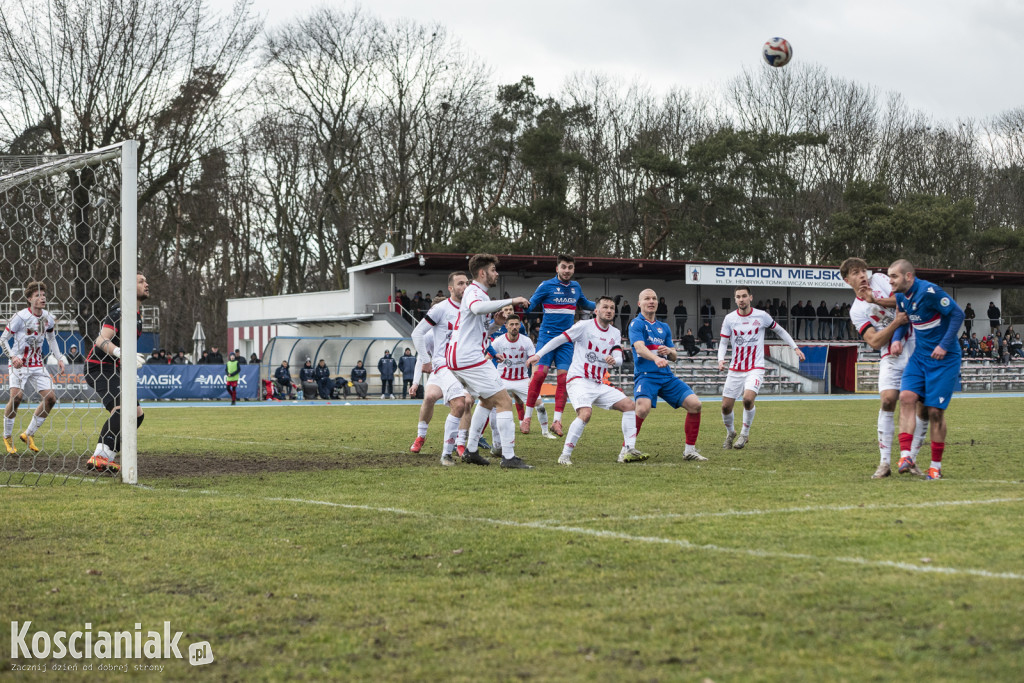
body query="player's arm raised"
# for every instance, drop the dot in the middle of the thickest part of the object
(553, 344)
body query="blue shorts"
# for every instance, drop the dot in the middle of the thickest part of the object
(933, 380)
(669, 387)
(560, 358)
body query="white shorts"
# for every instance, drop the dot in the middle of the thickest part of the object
(444, 380)
(587, 394)
(737, 383)
(23, 377)
(517, 388)
(890, 371)
(481, 381)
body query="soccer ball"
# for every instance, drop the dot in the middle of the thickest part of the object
(777, 52)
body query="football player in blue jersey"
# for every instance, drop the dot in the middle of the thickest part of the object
(934, 366)
(558, 298)
(653, 378)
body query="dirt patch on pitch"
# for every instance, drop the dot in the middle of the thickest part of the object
(163, 466)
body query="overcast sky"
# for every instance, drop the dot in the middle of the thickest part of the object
(950, 59)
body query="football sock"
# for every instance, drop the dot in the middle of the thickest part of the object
(748, 419)
(628, 429)
(507, 428)
(561, 395)
(937, 449)
(421, 428)
(451, 430)
(527, 412)
(572, 437)
(110, 432)
(34, 425)
(8, 427)
(542, 413)
(906, 438)
(476, 427)
(495, 431)
(691, 428)
(520, 410)
(461, 437)
(920, 431)
(536, 382)
(886, 427)
(639, 424)
(728, 421)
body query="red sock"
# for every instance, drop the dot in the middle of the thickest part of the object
(691, 427)
(937, 449)
(639, 423)
(536, 382)
(906, 441)
(520, 410)
(561, 395)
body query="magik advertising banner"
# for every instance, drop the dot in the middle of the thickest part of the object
(154, 381)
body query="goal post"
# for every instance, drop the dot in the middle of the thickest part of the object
(70, 222)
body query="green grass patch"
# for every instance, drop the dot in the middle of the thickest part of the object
(307, 543)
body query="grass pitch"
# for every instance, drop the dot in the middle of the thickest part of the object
(307, 543)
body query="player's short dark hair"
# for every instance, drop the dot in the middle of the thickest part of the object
(478, 261)
(604, 298)
(904, 266)
(746, 287)
(511, 318)
(32, 287)
(567, 258)
(851, 264)
(455, 274)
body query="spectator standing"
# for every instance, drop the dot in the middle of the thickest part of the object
(254, 359)
(407, 364)
(707, 312)
(387, 367)
(215, 357)
(180, 359)
(154, 359)
(359, 379)
(968, 319)
(835, 322)
(283, 378)
(661, 313)
(625, 315)
(993, 317)
(680, 314)
(233, 370)
(322, 377)
(797, 313)
(824, 321)
(809, 319)
(239, 357)
(773, 309)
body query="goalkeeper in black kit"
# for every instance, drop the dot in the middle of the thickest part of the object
(103, 374)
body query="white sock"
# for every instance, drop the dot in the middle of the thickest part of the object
(35, 424)
(628, 428)
(495, 431)
(574, 435)
(451, 430)
(728, 420)
(99, 449)
(507, 427)
(476, 427)
(748, 419)
(920, 431)
(528, 413)
(461, 437)
(421, 429)
(558, 416)
(542, 413)
(886, 427)
(8, 427)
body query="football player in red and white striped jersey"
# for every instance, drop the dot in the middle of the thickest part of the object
(744, 328)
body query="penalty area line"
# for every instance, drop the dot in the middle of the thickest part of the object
(674, 542)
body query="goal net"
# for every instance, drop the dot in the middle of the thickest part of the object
(69, 222)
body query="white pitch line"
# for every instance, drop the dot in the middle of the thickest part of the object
(679, 543)
(806, 508)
